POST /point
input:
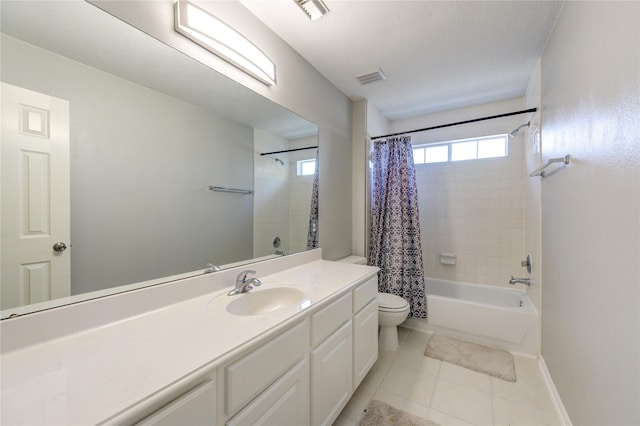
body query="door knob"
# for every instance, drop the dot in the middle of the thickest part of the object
(59, 246)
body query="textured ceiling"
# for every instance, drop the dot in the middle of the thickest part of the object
(437, 55)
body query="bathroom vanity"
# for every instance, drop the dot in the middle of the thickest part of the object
(291, 351)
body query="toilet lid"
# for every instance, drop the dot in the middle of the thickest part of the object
(391, 302)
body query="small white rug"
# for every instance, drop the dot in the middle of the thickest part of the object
(379, 413)
(483, 359)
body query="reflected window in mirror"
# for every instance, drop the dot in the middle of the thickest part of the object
(306, 167)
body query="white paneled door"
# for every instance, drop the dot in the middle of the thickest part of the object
(35, 248)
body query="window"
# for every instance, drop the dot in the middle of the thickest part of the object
(492, 147)
(459, 150)
(431, 154)
(464, 151)
(306, 167)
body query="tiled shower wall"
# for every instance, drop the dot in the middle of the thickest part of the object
(474, 209)
(271, 196)
(282, 200)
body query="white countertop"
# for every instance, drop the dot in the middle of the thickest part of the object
(88, 376)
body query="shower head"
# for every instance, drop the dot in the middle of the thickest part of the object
(276, 159)
(515, 132)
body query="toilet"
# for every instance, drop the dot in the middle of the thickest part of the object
(392, 311)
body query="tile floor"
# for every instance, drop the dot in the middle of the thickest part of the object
(448, 394)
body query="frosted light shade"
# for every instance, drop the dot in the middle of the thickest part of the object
(214, 35)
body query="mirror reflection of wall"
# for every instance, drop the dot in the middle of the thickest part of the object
(141, 162)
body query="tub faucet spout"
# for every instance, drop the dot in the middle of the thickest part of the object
(525, 281)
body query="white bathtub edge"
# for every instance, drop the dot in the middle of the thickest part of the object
(561, 412)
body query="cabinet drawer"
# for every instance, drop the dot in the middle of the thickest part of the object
(365, 293)
(330, 318)
(248, 376)
(196, 407)
(286, 402)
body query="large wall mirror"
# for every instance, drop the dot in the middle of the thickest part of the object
(150, 130)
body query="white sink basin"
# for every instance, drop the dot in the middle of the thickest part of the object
(266, 300)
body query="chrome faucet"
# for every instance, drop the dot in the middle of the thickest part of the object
(525, 281)
(211, 268)
(243, 284)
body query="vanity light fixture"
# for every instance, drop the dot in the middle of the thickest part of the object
(314, 9)
(214, 35)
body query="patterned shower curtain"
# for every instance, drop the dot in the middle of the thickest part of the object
(312, 233)
(395, 229)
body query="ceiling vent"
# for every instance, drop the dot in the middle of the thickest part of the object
(314, 9)
(370, 76)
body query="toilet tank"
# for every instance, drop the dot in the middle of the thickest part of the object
(356, 260)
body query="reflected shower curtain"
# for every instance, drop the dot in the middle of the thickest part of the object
(312, 233)
(395, 229)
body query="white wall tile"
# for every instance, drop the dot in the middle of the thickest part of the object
(473, 208)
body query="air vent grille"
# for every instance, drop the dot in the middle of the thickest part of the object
(315, 9)
(370, 76)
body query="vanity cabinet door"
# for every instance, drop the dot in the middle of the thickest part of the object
(248, 376)
(196, 407)
(365, 341)
(331, 376)
(286, 402)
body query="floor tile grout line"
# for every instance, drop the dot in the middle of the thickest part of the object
(435, 387)
(428, 405)
(391, 364)
(390, 361)
(377, 386)
(493, 415)
(437, 378)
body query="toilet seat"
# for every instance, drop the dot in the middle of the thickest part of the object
(391, 303)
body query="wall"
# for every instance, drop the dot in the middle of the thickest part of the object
(472, 208)
(359, 178)
(532, 197)
(117, 127)
(367, 122)
(591, 211)
(377, 124)
(301, 88)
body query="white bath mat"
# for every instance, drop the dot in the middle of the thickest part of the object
(379, 413)
(483, 359)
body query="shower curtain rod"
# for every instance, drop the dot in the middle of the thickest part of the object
(289, 150)
(524, 111)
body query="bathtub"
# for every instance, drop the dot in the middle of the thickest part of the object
(490, 315)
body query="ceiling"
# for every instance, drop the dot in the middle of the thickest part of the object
(437, 55)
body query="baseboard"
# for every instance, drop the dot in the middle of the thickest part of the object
(563, 416)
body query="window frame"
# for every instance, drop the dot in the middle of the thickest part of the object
(451, 143)
(300, 167)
